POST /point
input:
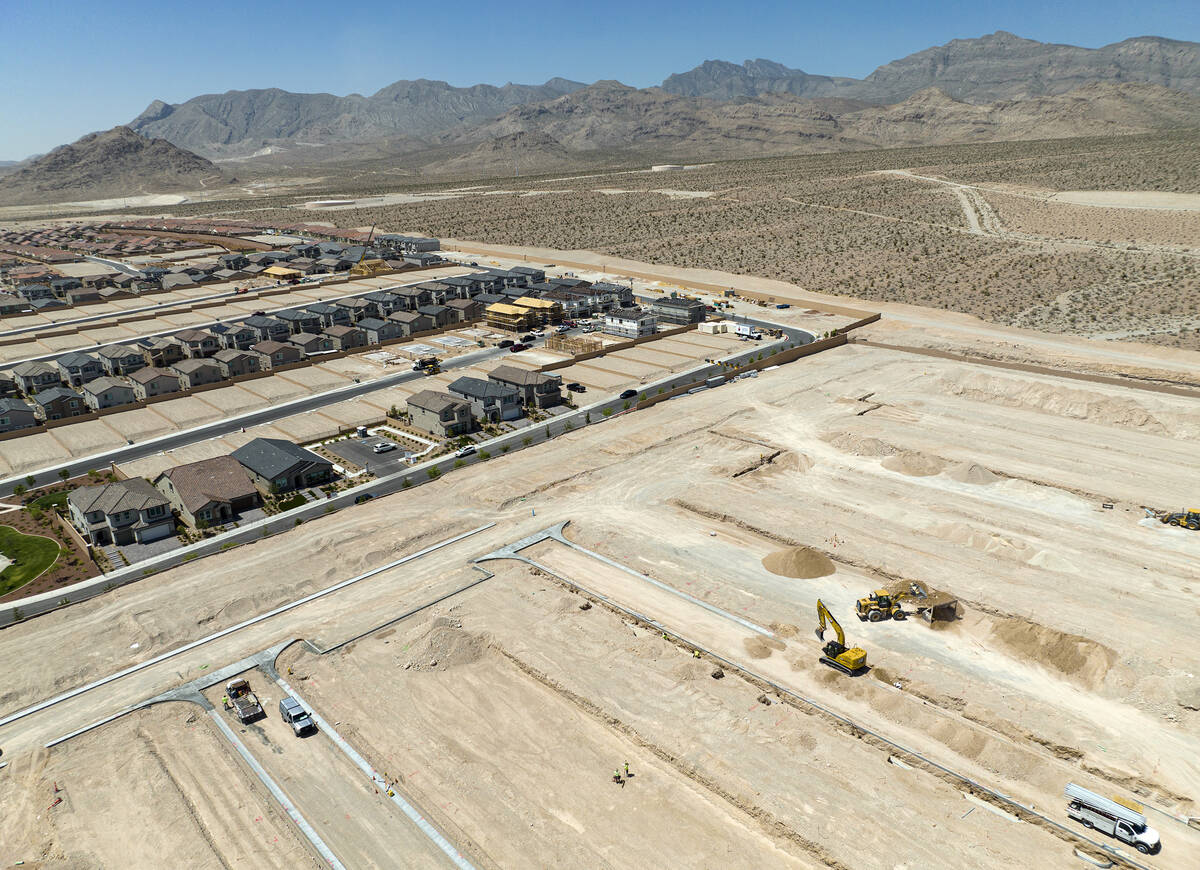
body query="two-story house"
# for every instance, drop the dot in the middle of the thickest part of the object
(15, 414)
(58, 403)
(235, 363)
(440, 414)
(120, 359)
(35, 376)
(273, 354)
(107, 392)
(197, 372)
(198, 343)
(78, 368)
(152, 381)
(126, 512)
(536, 388)
(489, 400)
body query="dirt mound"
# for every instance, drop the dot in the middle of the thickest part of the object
(803, 563)
(446, 645)
(759, 647)
(970, 472)
(858, 445)
(793, 462)
(1069, 654)
(914, 464)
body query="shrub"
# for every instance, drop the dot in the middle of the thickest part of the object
(608, 412)
(19, 490)
(405, 484)
(459, 463)
(504, 448)
(527, 440)
(483, 454)
(433, 472)
(63, 473)
(626, 406)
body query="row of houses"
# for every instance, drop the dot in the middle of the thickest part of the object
(503, 395)
(210, 492)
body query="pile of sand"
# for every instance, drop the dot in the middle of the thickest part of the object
(858, 445)
(970, 472)
(803, 563)
(914, 464)
(759, 647)
(792, 461)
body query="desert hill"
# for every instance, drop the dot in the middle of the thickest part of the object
(998, 66)
(116, 162)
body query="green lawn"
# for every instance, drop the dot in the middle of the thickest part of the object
(50, 500)
(31, 555)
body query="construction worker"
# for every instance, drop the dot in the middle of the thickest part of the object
(626, 769)
(225, 701)
(617, 777)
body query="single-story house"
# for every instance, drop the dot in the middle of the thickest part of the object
(197, 372)
(107, 392)
(126, 512)
(58, 403)
(234, 362)
(273, 354)
(537, 388)
(177, 280)
(209, 492)
(15, 414)
(440, 414)
(153, 381)
(276, 465)
(490, 400)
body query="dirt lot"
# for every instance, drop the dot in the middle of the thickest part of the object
(159, 788)
(1073, 660)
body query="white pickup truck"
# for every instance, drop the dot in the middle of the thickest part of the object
(1117, 819)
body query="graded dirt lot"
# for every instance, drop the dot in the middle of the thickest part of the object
(501, 711)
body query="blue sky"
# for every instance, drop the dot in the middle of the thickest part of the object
(68, 67)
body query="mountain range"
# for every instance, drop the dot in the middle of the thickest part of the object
(413, 115)
(115, 163)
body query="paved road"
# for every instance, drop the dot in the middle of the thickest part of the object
(236, 424)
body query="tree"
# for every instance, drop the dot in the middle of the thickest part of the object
(433, 472)
(63, 473)
(527, 440)
(29, 479)
(19, 490)
(587, 418)
(626, 406)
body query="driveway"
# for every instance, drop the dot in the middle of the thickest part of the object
(358, 452)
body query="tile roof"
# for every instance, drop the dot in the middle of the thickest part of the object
(221, 478)
(136, 493)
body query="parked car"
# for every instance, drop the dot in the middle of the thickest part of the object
(629, 394)
(465, 451)
(528, 338)
(577, 388)
(365, 497)
(293, 712)
(517, 348)
(508, 342)
(383, 447)
(562, 329)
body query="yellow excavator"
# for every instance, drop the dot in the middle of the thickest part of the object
(880, 605)
(848, 660)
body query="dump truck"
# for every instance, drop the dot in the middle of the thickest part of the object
(1123, 820)
(245, 702)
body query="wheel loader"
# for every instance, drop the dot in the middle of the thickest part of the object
(848, 660)
(1188, 519)
(878, 606)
